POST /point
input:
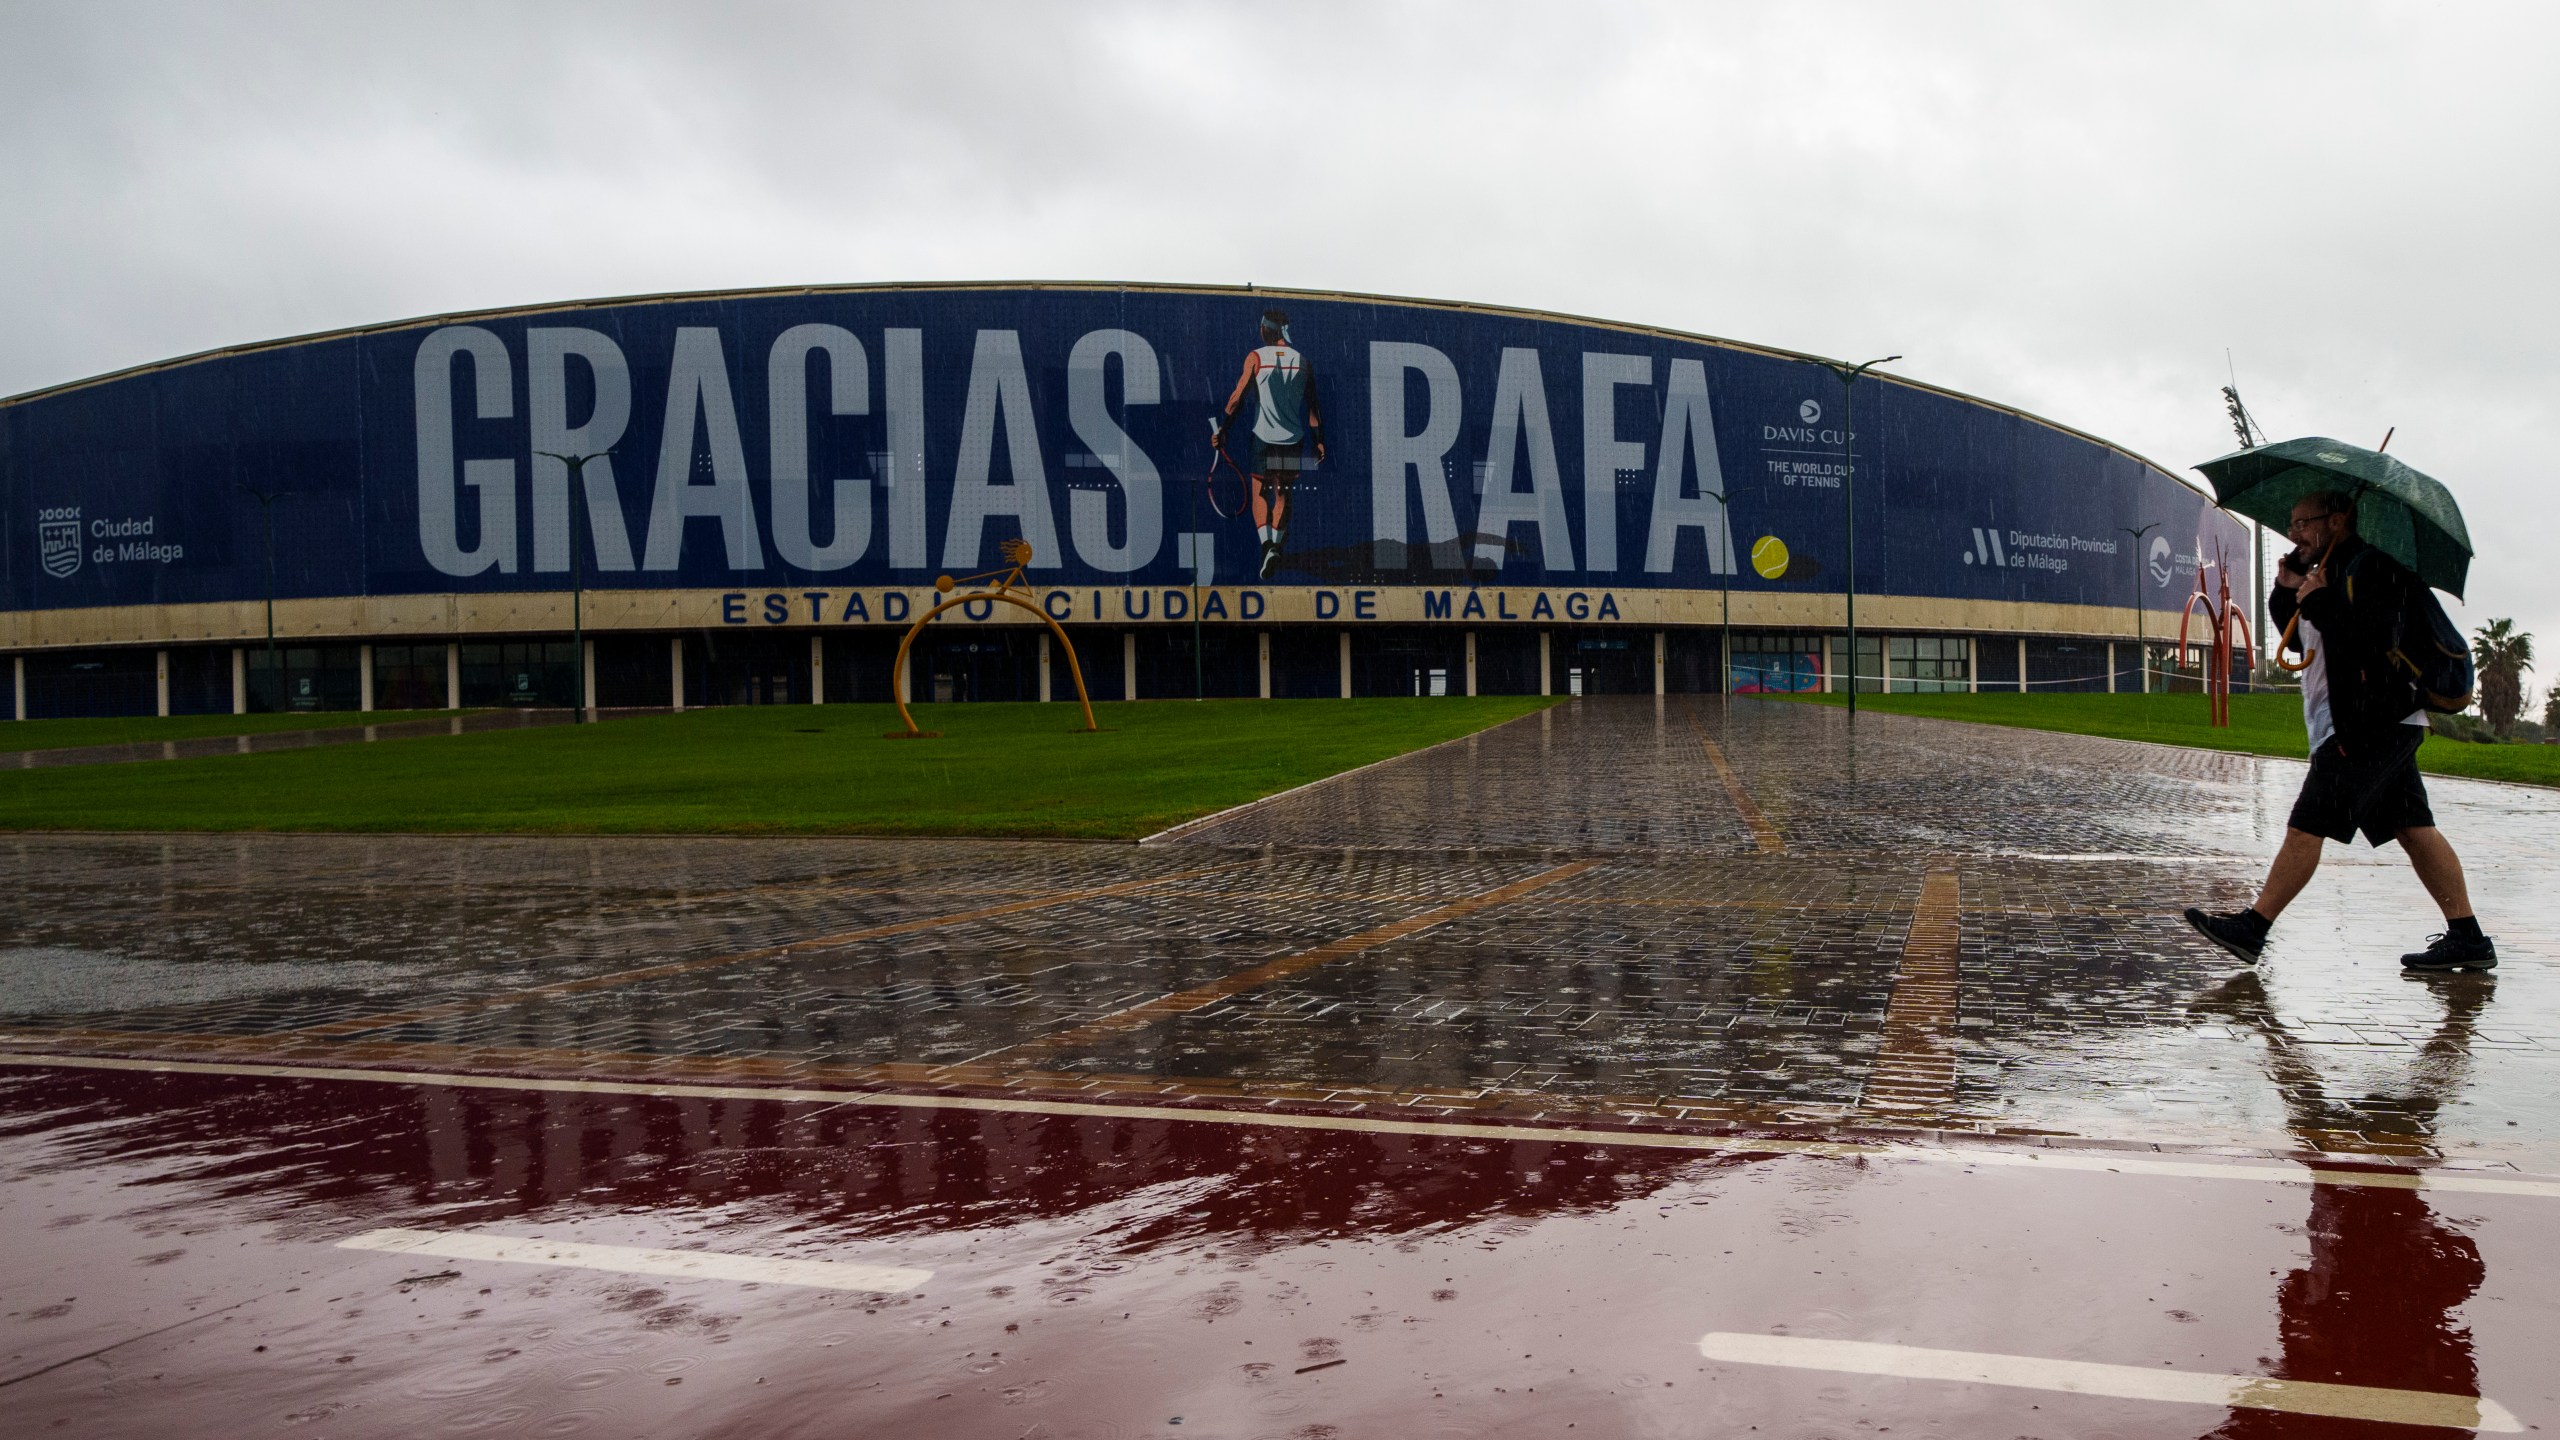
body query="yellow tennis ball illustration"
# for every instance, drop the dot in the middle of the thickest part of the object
(1769, 557)
(942, 583)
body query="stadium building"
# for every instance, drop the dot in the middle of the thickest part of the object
(1458, 499)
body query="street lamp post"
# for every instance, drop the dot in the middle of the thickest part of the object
(267, 515)
(1849, 486)
(1199, 671)
(2141, 631)
(577, 575)
(1724, 641)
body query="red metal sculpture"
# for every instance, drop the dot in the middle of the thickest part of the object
(2224, 620)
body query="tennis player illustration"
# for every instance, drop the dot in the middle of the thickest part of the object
(1286, 423)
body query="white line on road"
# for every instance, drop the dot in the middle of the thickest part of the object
(2115, 1162)
(639, 1260)
(2456, 1181)
(2124, 1382)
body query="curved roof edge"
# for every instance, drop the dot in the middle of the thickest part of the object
(1157, 287)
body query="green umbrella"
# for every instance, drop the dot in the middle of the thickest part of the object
(2406, 515)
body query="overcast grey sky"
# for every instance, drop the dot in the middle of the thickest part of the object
(2074, 208)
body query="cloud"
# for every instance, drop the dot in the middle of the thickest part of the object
(2071, 208)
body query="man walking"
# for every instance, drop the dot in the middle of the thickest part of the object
(2365, 729)
(1285, 419)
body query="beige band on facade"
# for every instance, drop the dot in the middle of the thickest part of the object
(810, 608)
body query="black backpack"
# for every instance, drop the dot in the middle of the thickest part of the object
(2430, 655)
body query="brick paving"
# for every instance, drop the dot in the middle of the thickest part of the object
(1670, 911)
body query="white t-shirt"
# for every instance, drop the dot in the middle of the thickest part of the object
(2315, 691)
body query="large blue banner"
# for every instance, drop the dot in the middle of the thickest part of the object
(882, 437)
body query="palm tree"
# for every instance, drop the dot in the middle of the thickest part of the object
(2502, 655)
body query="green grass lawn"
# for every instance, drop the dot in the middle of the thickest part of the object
(2260, 725)
(998, 770)
(16, 735)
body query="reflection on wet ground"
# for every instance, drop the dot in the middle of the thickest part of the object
(1391, 1072)
(2378, 1300)
(264, 741)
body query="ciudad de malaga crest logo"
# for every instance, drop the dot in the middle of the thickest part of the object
(58, 542)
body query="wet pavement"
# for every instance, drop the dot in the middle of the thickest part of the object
(1635, 1068)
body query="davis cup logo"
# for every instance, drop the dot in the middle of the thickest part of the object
(58, 542)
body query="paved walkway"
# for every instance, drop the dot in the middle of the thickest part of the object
(1630, 1064)
(1662, 909)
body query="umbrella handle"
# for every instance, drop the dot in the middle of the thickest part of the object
(2308, 656)
(2282, 663)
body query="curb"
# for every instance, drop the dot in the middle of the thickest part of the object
(1177, 831)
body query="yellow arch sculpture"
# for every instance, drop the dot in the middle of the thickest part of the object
(1018, 554)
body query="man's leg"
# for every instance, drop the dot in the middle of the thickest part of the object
(2462, 946)
(2244, 932)
(2439, 869)
(2294, 863)
(1266, 523)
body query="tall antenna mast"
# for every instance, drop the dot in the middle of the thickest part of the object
(2243, 424)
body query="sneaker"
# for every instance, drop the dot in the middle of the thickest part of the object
(1270, 559)
(2453, 952)
(2234, 932)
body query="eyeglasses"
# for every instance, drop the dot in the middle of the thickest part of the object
(2299, 521)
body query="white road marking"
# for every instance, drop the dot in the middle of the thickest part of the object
(2456, 1181)
(640, 1260)
(2266, 1172)
(2123, 1382)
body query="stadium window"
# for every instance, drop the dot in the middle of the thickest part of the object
(1776, 664)
(1929, 664)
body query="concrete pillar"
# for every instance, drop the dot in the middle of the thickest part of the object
(239, 681)
(1546, 667)
(1345, 652)
(1044, 667)
(1658, 663)
(1471, 662)
(2022, 664)
(453, 674)
(1973, 667)
(1724, 661)
(587, 675)
(675, 671)
(18, 683)
(818, 671)
(364, 677)
(1264, 646)
(1128, 664)
(2111, 667)
(160, 668)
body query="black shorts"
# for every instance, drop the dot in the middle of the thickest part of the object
(1279, 462)
(2366, 782)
